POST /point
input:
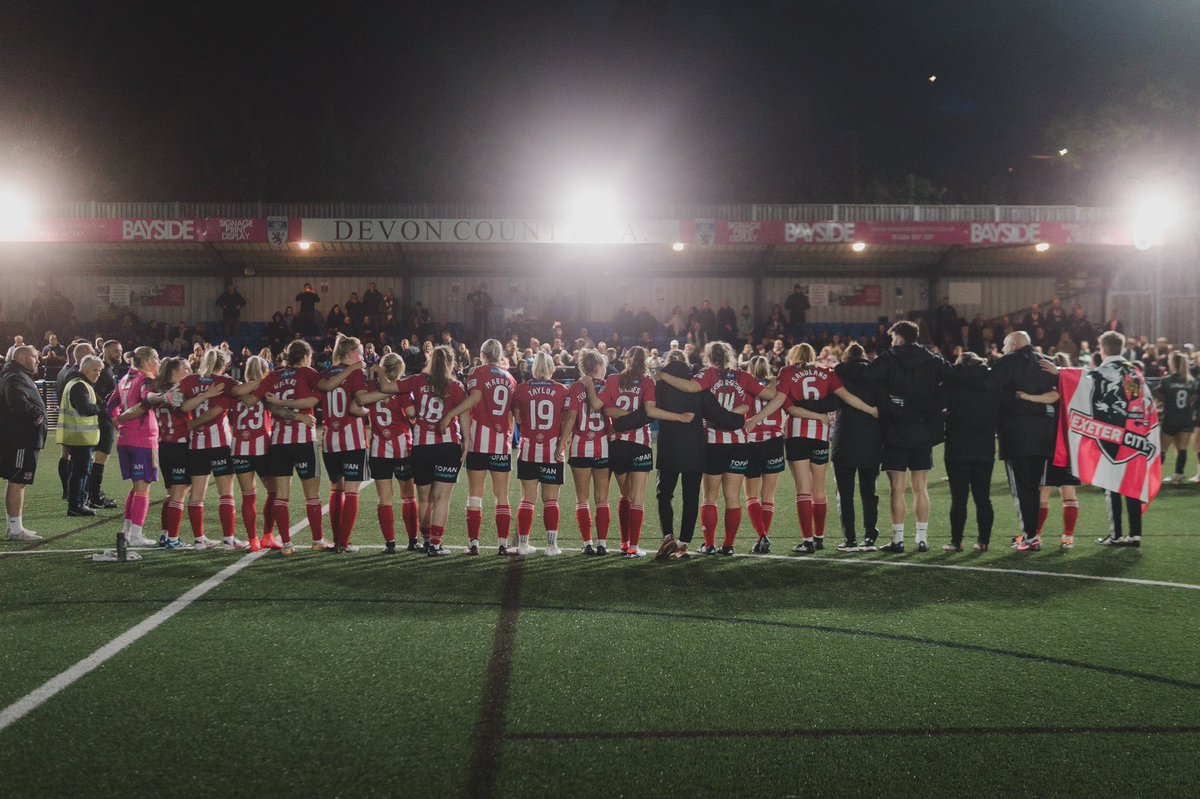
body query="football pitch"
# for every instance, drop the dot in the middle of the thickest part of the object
(1051, 673)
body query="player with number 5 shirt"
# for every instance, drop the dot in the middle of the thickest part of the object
(391, 450)
(588, 430)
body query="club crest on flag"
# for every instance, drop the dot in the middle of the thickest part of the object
(277, 230)
(706, 232)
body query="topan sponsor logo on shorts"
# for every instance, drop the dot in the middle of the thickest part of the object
(445, 469)
(738, 464)
(645, 456)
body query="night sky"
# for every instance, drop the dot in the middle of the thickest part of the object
(695, 101)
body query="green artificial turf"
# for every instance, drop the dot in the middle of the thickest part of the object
(370, 675)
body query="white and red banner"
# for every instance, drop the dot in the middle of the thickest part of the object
(912, 234)
(492, 231)
(212, 229)
(1108, 429)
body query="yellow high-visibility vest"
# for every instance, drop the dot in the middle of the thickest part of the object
(74, 429)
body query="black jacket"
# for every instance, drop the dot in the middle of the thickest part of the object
(22, 412)
(857, 437)
(1027, 429)
(972, 413)
(911, 378)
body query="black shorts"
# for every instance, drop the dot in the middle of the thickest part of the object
(108, 436)
(900, 459)
(350, 465)
(1058, 476)
(766, 457)
(391, 468)
(18, 466)
(483, 462)
(1170, 430)
(588, 463)
(436, 463)
(726, 458)
(216, 461)
(550, 474)
(807, 449)
(247, 464)
(282, 459)
(173, 464)
(625, 456)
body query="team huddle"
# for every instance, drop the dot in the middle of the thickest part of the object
(725, 433)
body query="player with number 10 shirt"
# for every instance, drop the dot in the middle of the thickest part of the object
(344, 446)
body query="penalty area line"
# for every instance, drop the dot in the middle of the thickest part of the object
(55, 685)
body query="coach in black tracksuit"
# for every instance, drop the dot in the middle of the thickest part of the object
(1027, 429)
(856, 441)
(972, 412)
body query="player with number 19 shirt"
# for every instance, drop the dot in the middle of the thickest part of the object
(540, 406)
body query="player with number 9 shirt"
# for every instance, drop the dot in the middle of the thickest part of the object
(538, 405)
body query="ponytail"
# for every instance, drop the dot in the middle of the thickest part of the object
(635, 367)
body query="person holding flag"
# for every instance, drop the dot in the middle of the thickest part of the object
(1109, 435)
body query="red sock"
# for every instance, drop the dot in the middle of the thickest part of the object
(754, 511)
(636, 514)
(312, 509)
(1070, 516)
(425, 533)
(474, 522)
(819, 507)
(603, 518)
(268, 515)
(227, 512)
(524, 518)
(708, 523)
(768, 513)
(408, 514)
(1043, 512)
(583, 518)
(503, 521)
(804, 512)
(387, 522)
(172, 518)
(282, 523)
(435, 535)
(623, 519)
(550, 515)
(250, 514)
(349, 516)
(733, 520)
(196, 518)
(336, 499)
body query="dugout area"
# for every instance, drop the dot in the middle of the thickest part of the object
(372, 675)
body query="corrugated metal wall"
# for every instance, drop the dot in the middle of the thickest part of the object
(903, 294)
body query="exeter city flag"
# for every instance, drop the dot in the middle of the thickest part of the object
(1109, 432)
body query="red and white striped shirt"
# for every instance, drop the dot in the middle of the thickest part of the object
(343, 432)
(803, 384)
(491, 420)
(732, 388)
(214, 433)
(391, 432)
(431, 409)
(540, 404)
(629, 399)
(770, 427)
(591, 427)
(172, 424)
(251, 429)
(290, 383)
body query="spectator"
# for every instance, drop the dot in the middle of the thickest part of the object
(975, 339)
(372, 302)
(1066, 345)
(18, 342)
(231, 303)
(22, 435)
(945, 325)
(1056, 319)
(775, 326)
(676, 324)
(335, 320)
(389, 306)
(645, 322)
(1033, 320)
(1114, 323)
(480, 303)
(708, 322)
(1081, 328)
(797, 306)
(745, 325)
(354, 311)
(727, 323)
(559, 308)
(307, 299)
(54, 356)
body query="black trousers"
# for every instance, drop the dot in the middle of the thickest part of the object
(970, 479)
(867, 475)
(691, 503)
(1133, 507)
(77, 480)
(1025, 481)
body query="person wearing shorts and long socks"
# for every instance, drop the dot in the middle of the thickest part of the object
(1177, 392)
(766, 462)
(208, 396)
(344, 446)
(587, 451)
(132, 404)
(538, 409)
(23, 434)
(391, 451)
(112, 356)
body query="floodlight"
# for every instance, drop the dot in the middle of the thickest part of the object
(594, 213)
(1063, 151)
(304, 245)
(16, 212)
(858, 246)
(933, 78)
(678, 246)
(1155, 209)
(1042, 246)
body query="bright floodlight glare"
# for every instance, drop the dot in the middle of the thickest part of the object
(16, 212)
(594, 213)
(933, 78)
(1154, 211)
(678, 246)
(1042, 246)
(858, 246)
(304, 245)
(1063, 151)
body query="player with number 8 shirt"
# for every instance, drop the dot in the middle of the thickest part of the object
(391, 450)
(489, 442)
(538, 405)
